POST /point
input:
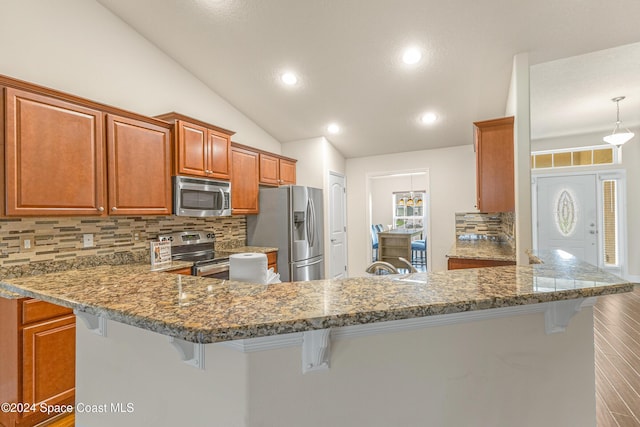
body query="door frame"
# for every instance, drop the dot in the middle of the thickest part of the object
(330, 207)
(621, 190)
(427, 207)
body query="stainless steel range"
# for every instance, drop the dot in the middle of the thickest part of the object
(198, 247)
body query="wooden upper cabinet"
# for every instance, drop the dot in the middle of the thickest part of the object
(191, 149)
(244, 181)
(139, 167)
(54, 156)
(219, 154)
(494, 165)
(276, 170)
(269, 169)
(287, 172)
(201, 149)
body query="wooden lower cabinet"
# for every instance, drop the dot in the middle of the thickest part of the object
(37, 358)
(459, 263)
(184, 271)
(272, 261)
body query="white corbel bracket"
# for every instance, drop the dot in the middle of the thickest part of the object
(559, 313)
(316, 350)
(191, 353)
(95, 324)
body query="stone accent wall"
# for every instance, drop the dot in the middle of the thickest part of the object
(60, 239)
(491, 226)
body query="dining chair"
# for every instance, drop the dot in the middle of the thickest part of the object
(374, 241)
(419, 252)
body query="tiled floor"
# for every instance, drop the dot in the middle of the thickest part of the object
(617, 354)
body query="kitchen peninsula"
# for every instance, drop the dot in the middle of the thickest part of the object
(470, 347)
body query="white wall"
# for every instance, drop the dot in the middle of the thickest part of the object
(382, 189)
(631, 164)
(79, 47)
(501, 372)
(451, 189)
(518, 106)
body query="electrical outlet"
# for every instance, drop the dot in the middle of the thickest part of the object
(87, 240)
(135, 236)
(27, 243)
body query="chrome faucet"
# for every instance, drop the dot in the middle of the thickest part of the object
(379, 266)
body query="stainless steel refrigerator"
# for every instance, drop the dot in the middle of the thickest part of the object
(290, 219)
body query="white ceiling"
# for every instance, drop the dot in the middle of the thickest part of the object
(347, 55)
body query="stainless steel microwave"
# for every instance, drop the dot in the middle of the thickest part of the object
(201, 197)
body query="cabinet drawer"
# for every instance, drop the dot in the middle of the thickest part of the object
(34, 310)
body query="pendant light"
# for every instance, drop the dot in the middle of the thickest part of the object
(618, 137)
(410, 201)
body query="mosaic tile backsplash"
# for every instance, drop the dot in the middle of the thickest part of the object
(491, 226)
(60, 239)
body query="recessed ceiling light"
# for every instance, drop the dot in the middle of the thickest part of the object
(333, 128)
(428, 118)
(411, 56)
(289, 78)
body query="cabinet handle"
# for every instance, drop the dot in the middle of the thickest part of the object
(100, 209)
(114, 209)
(208, 171)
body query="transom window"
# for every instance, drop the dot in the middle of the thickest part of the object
(571, 157)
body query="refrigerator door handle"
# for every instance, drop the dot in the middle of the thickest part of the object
(313, 223)
(306, 222)
(307, 265)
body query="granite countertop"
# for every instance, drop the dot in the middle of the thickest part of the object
(206, 310)
(483, 249)
(257, 249)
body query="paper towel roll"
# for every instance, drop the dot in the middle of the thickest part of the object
(248, 267)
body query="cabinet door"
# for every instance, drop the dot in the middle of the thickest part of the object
(269, 170)
(54, 156)
(219, 155)
(244, 181)
(287, 172)
(494, 165)
(48, 362)
(272, 261)
(192, 149)
(139, 167)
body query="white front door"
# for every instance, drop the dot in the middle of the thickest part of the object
(567, 215)
(337, 227)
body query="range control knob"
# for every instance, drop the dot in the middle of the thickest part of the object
(210, 235)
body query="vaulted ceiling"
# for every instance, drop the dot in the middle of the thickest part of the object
(347, 56)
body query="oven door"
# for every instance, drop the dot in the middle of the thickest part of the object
(215, 271)
(201, 197)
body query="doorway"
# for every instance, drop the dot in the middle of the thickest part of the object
(400, 200)
(582, 214)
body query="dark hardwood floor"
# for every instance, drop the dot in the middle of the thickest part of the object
(617, 355)
(65, 421)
